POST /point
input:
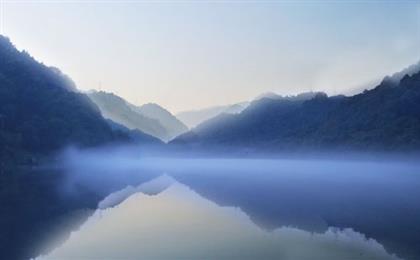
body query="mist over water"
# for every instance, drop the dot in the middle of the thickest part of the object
(296, 208)
(177, 223)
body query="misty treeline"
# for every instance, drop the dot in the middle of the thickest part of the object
(386, 118)
(41, 112)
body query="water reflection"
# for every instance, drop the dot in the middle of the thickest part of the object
(164, 219)
(378, 199)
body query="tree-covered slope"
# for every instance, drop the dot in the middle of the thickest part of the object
(193, 118)
(120, 111)
(41, 111)
(173, 126)
(384, 118)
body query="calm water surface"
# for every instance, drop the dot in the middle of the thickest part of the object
(218, 208)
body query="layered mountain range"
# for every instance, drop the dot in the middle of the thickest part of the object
(386, 117)
(193, 118)
(150, 118)
(41, 111)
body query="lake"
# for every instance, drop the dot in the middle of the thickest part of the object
(171, 208)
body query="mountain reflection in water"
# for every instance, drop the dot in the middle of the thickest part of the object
(165, 219)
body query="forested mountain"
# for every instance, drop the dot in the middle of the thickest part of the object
(384, 118)
(173, 126)
(41, 110)
(136, 136)
(192, 118)
(300, 97)
(120, 111)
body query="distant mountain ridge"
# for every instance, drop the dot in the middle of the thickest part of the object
(151, 119)
(193, 118)
(384, 118)
(173, 125)
(118, 110)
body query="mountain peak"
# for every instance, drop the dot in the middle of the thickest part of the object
(152, 105)
(174, 126)
(150, 118)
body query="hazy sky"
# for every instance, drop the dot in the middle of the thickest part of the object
(186, 55)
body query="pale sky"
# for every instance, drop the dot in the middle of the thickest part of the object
(188, 54)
